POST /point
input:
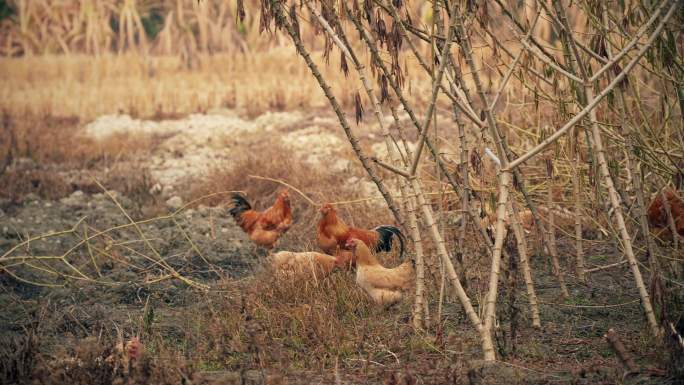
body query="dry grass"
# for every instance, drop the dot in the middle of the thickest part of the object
(274, 322)
(49, 139)
(160, 86)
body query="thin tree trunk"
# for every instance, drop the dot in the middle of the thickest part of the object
(553, 249)
(525, 264)
(420, 318)
(577, 197)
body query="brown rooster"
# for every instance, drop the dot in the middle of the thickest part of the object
(264, 227)
(385, 286)
(657, 215)
(333, 234)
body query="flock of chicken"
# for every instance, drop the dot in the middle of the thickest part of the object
(343, 246)
(347, 247)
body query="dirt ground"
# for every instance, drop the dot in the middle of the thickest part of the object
(202, 243)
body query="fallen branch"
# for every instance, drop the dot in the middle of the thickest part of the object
(625, 357)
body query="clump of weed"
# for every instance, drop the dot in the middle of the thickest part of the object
(15, 185)
(138, 187)
(96, 360)
(269, 320)
(18, 358)
(48, 139)
(34, 148)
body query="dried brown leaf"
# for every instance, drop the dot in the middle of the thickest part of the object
(358, 108)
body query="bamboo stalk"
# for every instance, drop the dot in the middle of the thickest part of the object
(428, 218)
(420, 317)
(504, 182)
(636, 179)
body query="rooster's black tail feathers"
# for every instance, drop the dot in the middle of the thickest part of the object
(385, 239)
(240, 205)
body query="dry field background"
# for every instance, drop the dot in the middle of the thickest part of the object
(125, 123)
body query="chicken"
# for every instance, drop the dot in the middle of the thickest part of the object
(264, 227)
(344, 259)
(385, 286)
(657, 214)
(333, 234)
(307, 263)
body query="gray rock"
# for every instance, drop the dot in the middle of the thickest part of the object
(168, 192)
(30, 198)
(486, 373)
(77, 198)
(24, 164)
(174, 202)
(156, 189)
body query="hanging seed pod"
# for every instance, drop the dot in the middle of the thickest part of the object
(482, 15)
(317, 29)
(356, 10)
(549, 167)
(358, 108)
(408, 20)
(278, 23)
(294, 20)
(614, 169)
(548, 71)
(397, 72)
(368, 11)
(470, 6)
(516, 183)
(495, 52)
(562, 107)
(669, 51)
(397, 4)
(476, 162)
(384, 92)
(241, 10)
(340, 8)
(457, 69)
(327, 49)
(492, 202)
(397, 39)
(265, 17)
(598, 45)
(541, 135)
(380, 28)
(343, 64)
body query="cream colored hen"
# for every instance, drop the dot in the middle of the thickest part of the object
(384, 285)
(308, 263)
